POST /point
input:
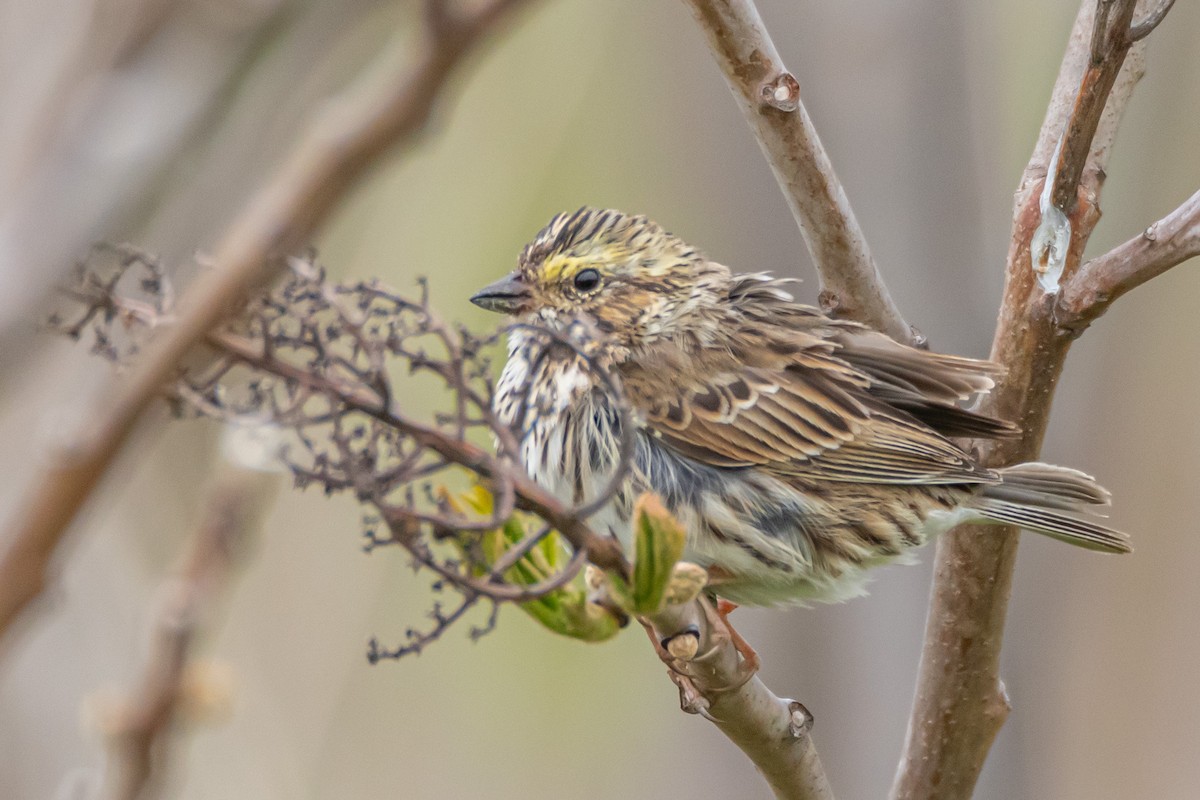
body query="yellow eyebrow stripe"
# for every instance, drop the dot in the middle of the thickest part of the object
(554, 267)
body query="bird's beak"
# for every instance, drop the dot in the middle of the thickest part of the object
(509, 295)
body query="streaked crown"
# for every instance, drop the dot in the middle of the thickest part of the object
(636, 280)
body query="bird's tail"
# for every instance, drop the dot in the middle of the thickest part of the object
(1035, 495)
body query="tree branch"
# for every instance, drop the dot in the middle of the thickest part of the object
(1172, 240)
(603, 551)
(139, 733)
(769, 96)
(773, 732)
(1142, 28)
(387, 108)
(960, 703)
(1109, 44)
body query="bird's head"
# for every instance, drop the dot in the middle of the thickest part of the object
(637, 282)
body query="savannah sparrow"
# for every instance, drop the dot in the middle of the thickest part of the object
(797, 450)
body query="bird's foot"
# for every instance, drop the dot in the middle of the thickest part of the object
(694, 671)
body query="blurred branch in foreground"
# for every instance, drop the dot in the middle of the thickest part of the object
(388, 107)
(140, 728)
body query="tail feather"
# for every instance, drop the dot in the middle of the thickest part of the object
(1053, 481)
(1034, 495)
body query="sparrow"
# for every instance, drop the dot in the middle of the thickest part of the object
(797, 450)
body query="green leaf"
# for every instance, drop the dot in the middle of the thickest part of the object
(658, 541)
(566, 610)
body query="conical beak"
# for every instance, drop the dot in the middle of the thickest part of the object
(509, 295)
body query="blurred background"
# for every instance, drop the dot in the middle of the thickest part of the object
(152, 122)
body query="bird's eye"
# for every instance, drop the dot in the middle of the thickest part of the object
(587, 279)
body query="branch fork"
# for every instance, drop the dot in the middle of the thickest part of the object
(960, 702)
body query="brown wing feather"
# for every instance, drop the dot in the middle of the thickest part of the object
(802, 426)
(804, 396)
(926, 385)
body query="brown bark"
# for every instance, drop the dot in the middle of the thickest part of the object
(960, 704)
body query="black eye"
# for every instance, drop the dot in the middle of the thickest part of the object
(587, 279)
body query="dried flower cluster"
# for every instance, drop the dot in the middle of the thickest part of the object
(320, 361)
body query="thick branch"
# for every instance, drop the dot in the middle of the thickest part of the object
(389, 107)
(773, 732)
(1172, 240)
(769, 95)
(960, 704)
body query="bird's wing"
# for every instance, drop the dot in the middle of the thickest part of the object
(815, 417)
(925, 385)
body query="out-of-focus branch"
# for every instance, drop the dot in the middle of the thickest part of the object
(773, 732)
(140, 729)
(769, 96)
(387, 108)
(1172, 240)
(960, 703)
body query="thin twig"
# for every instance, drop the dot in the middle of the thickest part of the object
(773, 732)
(769, 96)
(387, 108)
(1172, 240)
(602, 551)
(314, 359)
(960, 703)
(1142, 28)
(139, 735)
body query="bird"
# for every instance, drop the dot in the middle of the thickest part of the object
(797, 450)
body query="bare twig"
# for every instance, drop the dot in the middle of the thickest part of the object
(315, 359)
(960, 703)
(602, 551)
(1142, 28)
(769, 95)
(773, 732)
(139, 734)
(1172, 240)
(1110, 41)
(387, 108)
(1087, 133)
